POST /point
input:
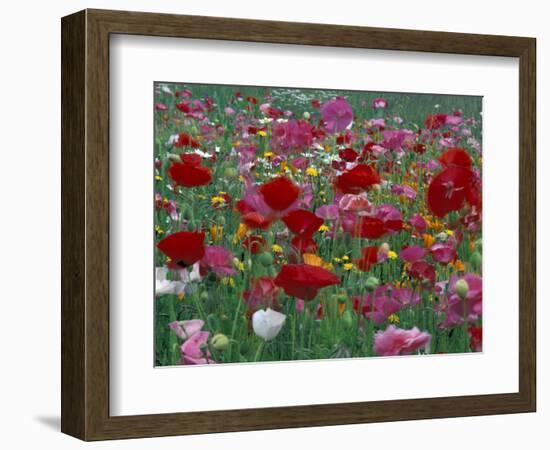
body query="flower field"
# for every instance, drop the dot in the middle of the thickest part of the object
(298, 224)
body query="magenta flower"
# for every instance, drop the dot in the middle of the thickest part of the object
(195, 351)
(337, 114)
(379, 103)
(397, 341)
(418, 222)
(443, 253)
(218, 260)
(327, 212)
(291, 136)
(412, 253)
(186, 328)
(456, 308)
(406, 191)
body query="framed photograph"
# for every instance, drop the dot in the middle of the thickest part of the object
(273, 225)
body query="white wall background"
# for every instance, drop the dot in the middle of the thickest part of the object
(30, 221)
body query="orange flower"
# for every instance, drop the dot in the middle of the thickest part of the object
(314, 260)
(429, 240)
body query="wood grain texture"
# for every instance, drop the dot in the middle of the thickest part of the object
(85, 224)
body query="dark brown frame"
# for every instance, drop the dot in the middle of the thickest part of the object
(85, 224)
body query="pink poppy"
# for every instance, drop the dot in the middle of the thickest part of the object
(262, 294)
(412, 253)
(355, 203)
(456, 308)
(397, 341)
(327, 212)
(337, 114)
(193, 349)
(443, 253)
(379, 103)
(218, 260)
(418, 222)
(186, 328)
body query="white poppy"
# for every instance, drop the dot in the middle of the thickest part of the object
(164, 286)
(267, 324)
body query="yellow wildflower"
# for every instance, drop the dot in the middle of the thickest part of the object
(337, 260)
(277, 248)
(268, 154)
(158, 229)
(181, 296)
(228, 281)
(324, 228)
(392, 254)
(217, 200)
(158, 178)
(312, 172)
(262, 133)
(450, 232)
(348, 266)
(458, 265)
(393, 318)
(345, 258)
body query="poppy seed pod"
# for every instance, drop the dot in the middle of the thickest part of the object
(220, 342)
(475, 260)
(462, 288)
(371, 284)
(231, 172)
(266, 259)
(347, 318)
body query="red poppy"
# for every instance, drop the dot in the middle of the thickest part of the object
(449, 189)
(476, 338)
(456, 157)
(369, 257)
(252, 100)
(184, 107)
(370, 228)
(304, 244)
(191, 158)
(303, 281)
(358, 179)
(184, 140)
(279, 193)
(422, 271)
(348, 154)
(184, 248)
(189, 175)
(302, 222)
(315, 103)
(255, 220)
(262, 293)
(255, 244)
(435, 121)
(419, 148)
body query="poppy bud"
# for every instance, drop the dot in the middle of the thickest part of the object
(371, 284)
(231, 172)
(347, 318)
(186, 213)
(462, 288)
(384, 248)
(221, 220)
(203, 347)
(266, 259)
(341, 298)
(306, 115)
(174, 158)
(220, 342)
(192, 226)
(475, 260)
(376, 187)
(204, 295)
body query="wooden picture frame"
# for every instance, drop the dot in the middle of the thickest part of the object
(85, 224)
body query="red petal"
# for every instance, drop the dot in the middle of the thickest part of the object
(183, 248)
(302, 222)
(456, 157)
(189, 176)
(279, 193)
